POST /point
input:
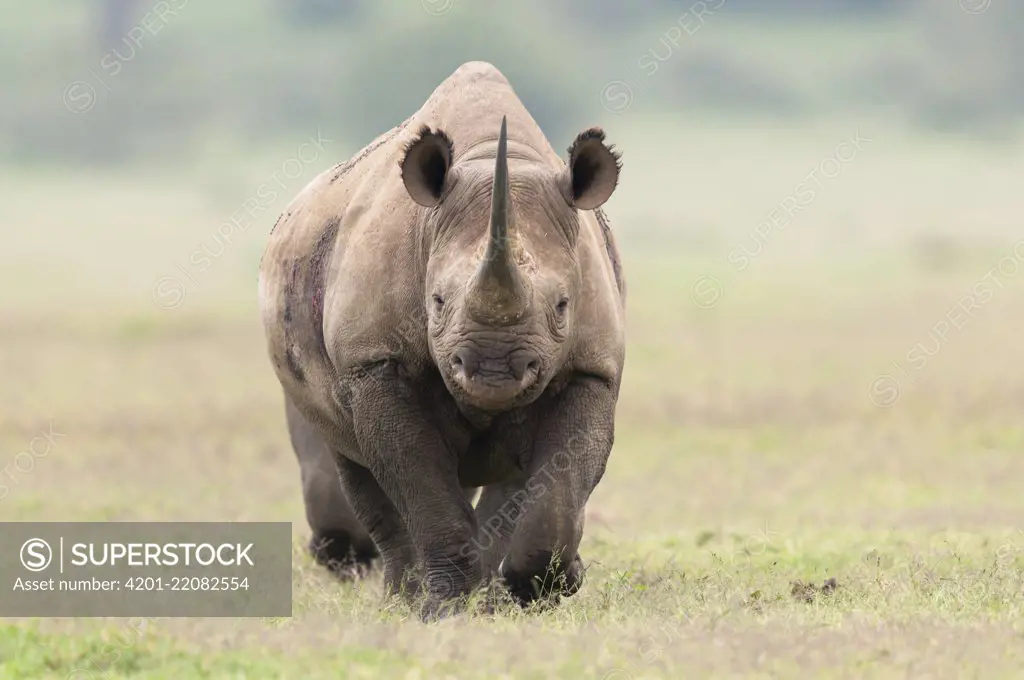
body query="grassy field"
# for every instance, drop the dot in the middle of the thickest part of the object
(794, 492)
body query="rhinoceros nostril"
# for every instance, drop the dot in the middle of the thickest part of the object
(465, 362)
(523, 364)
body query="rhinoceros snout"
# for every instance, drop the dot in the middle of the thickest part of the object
(491, 379)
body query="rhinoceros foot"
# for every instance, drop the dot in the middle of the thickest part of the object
(549, 583)
(337, 554)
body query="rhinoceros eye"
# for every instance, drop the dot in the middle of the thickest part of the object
(438, 301)
(562, 305)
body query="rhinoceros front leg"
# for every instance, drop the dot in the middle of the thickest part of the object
(374, 509)
(571, 450)
(413, 466)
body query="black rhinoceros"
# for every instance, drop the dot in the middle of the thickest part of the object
(445, 312)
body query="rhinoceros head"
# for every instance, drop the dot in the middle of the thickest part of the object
(503, 283)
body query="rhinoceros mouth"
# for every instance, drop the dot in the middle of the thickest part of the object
(493, 389)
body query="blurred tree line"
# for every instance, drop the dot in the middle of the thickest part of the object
(120, 80)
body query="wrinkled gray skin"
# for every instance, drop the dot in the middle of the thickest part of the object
(445, 312)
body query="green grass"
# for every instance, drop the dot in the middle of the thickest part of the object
(109, 653)
(751, 465)
(651, 608)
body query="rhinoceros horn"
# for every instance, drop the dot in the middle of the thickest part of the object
(497, 292)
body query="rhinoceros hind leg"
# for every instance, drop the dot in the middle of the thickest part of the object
(496, 512)
(336, 552)
(339, 541)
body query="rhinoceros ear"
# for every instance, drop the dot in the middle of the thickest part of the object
(593, 170)
(425, 166)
